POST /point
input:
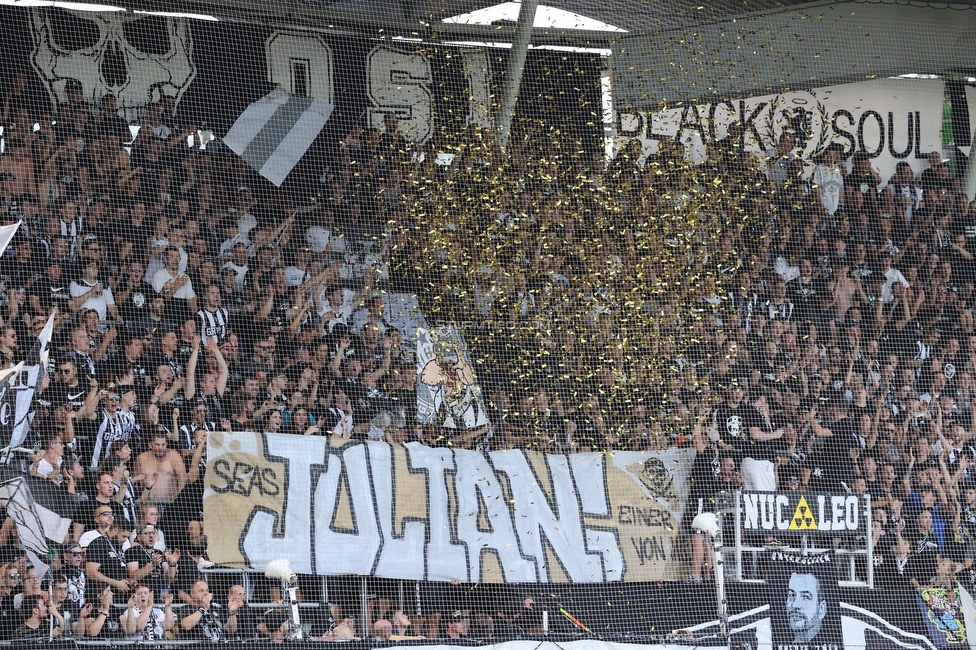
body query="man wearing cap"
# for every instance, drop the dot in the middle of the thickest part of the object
(50, 290)
(146, 564)
(457, 625)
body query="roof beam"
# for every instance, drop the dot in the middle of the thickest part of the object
(812, 45)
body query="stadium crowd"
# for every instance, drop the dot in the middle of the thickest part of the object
(804, 324)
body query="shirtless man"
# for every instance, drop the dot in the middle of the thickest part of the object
(17, 163)
(167, 464)
(847, 292)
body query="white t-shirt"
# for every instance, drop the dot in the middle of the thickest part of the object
(163, 276)
(294, 276)
(831, 183)
(318, 238)
(45, 468)
(893, 275)
(157, 262)
(98, 303)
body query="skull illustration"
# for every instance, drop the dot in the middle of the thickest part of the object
(138, 58)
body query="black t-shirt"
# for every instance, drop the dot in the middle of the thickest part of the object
(187, 573)
(760, 449)
(142, 557)
(108, 555)
(733, 428)
(960, 542)
(830, 464)
(136, 304)
(52, 293)
(923, 562)
(61, 393)
(30, 633)
(247, 623)
(9, 618)
(704, 482)
(210, 627)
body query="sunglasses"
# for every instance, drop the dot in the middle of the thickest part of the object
(78, 553)
(114, 398)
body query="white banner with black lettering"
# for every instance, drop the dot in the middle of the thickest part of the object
(892, 120)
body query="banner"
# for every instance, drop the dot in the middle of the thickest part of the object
(804, 513)
(336, 507)
(803, 600)
(892, 120)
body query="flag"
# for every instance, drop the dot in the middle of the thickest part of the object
(273, 133)
(7, 234)
(944, 618)
(17, 392)
(38, 510)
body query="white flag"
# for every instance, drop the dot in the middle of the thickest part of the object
(273, 133)
(7, 234)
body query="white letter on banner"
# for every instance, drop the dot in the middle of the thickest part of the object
(474, 475)
(342, 553)
(445, 559)
(781, 500)
(595, 501)
(750, 501)
(401, 557)
(534, 518)
(261, 545)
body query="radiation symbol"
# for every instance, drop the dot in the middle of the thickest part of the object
(803, 517)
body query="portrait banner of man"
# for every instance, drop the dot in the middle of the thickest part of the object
(804, 604)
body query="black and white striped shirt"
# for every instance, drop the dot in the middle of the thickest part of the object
(213, 324)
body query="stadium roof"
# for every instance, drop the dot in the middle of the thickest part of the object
(436, 19)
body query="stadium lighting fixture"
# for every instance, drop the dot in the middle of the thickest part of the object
(708, 523)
